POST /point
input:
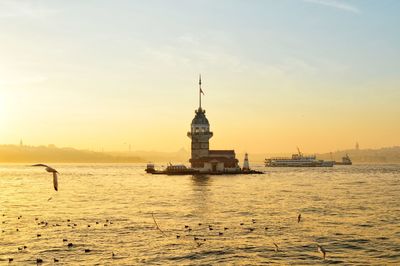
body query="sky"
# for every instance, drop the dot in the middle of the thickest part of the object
(102, 75)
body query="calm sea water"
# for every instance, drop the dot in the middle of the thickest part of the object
(352, 211)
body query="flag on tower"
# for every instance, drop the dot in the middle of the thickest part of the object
(201, 91)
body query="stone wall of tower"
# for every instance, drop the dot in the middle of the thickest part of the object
(200, 144)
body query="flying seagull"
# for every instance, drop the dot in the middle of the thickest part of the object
(321, 250)
(50, 170)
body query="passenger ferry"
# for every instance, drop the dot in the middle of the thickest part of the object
(297, 160)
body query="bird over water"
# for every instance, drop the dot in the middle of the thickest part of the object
(50, 170)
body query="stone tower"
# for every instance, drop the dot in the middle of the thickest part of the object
(200, 133)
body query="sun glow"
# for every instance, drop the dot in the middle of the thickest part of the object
(270, 83)
(3, 108)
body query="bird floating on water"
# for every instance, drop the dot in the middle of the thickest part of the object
(321, 250)
(199, 244)
(50, 170)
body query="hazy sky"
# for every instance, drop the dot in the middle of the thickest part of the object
(318, 74)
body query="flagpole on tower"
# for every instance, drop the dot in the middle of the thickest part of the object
(200, 91)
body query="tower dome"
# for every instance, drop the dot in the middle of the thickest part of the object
(200, 118)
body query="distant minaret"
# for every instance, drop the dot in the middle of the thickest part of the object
(246, 166)
(357, 146)
(21, 144)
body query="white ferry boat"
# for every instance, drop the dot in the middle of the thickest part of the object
(297, 160)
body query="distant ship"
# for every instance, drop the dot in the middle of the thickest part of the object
(345, 161)
(297, 160)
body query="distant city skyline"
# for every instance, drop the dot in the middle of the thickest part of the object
(318, 74)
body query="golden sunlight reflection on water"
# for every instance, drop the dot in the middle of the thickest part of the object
(353, 212)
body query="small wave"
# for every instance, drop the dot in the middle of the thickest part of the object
(382, 238)
(361, 241)
(350, 246)
(365, 225)
(201, 254)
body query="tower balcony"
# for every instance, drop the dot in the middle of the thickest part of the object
(208, 134)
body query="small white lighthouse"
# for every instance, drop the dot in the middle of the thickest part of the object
(246, 166)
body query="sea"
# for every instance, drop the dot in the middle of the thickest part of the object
(116, 214)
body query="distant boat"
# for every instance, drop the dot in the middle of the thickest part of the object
(345, 161)
(297, 160)
(171, 169)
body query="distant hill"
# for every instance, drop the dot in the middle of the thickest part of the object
(180, 156)
(383, 155)
(49, 154)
